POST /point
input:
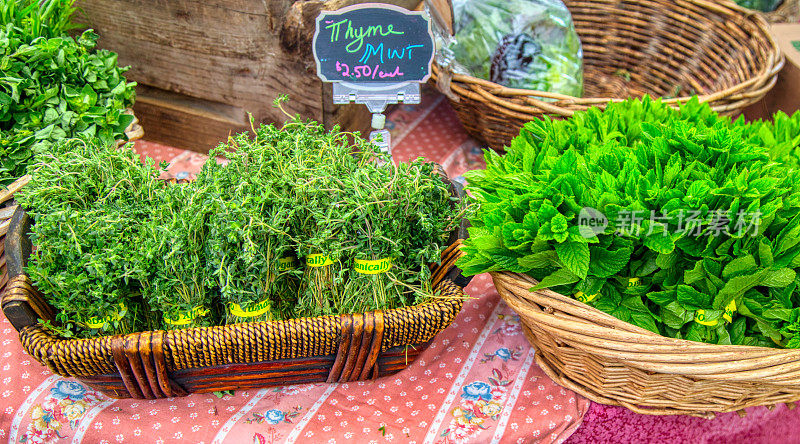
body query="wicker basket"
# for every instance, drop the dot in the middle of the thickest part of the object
(8, 206)
(715, 49)
(787, 12)
(159, 364)
(614, 362)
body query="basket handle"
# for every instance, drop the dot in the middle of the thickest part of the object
(22, 304)
(448, 270)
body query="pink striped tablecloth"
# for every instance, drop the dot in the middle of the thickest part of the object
(476, 383)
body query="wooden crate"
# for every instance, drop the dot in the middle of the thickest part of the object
(203, 65)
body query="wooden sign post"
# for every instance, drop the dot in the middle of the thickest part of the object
(374, 54)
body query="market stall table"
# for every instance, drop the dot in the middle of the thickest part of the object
(476, 383)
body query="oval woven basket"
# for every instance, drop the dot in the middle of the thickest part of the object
(8, 206)
(160, 364)
(664, 48)
(787, 12)
(613, 362)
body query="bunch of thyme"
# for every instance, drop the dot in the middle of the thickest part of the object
(88, 203)
(249, 251)
(227, 247)
(172, 253)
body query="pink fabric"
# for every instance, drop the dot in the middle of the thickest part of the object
(425, 403)
(475, 383)
(607, 424)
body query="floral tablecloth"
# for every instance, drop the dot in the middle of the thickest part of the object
(475, 383)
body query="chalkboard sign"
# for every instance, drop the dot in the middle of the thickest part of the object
(373, 43)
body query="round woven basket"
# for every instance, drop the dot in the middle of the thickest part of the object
(613, 362)
(664, 48)
(787, 12)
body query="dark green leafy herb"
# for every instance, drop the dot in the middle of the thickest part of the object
(88, 203)
(402, 214)
(677, 221)
(759, 5)
(52, 86)
(174, 279)
(248, 226)
(31, 19)
(216, 250)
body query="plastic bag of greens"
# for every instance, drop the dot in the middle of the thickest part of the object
(760, 5)
(530, 44)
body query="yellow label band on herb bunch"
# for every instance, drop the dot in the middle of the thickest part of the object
(583, 297)
(376, 266)
(730, 309)
(700, 318)
(252, 311)
(287, 263)
(318, 260)
(186, 318)
(99, 322)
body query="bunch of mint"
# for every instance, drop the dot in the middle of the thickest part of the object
(682, 222)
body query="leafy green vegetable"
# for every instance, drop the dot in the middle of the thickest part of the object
(399, 216)
(172, 245)
(679, 221)
(32, 19)
(518, 43)
(52, 86)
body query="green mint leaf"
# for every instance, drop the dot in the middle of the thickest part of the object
(542, 259)
(783, 314)
(765, 256)
(562, 276)
(738, 266)
(575, 257)
(779, 278)
(606, 263)
(693, 299)
(662, 298)
(660, 243)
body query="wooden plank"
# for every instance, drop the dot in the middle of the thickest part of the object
(224, 51)
(239, 54)
(183, 122)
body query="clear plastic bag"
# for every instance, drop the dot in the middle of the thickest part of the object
(760, 5)
(528, 44)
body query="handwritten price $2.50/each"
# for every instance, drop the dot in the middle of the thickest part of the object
(366, 71)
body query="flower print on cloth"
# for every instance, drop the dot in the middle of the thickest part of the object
(60, 411)
(480, 402)
(477, 390)
(510, 326)
(271, 418)
(274, 416)
(504, 354)
(68, 390)
(295, 389)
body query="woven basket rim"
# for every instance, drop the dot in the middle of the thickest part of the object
(444, 302)
(614, 362)
(417, 307)
(769, 69)
(621, 328)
